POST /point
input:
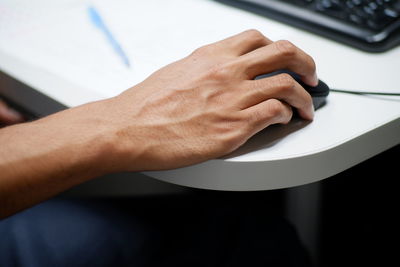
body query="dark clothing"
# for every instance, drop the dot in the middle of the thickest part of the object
(163, 231)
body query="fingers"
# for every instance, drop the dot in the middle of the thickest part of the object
(243, 43)
(8, 115)
(267, 113)
(277, 56)
(282, 87)
(256, 55)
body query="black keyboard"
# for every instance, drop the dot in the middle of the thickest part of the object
(369, 25)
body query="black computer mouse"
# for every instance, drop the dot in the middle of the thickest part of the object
(318, 93)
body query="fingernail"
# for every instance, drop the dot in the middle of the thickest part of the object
(315, 79)
(311, 112)
(312, 81)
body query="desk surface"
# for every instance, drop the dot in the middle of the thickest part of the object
(347, 130)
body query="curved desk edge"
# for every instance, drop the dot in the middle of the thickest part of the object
(275, 174)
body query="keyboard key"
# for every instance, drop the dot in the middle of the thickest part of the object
(391, 13)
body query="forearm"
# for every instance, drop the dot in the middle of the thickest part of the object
(198, 108)
(42, 158)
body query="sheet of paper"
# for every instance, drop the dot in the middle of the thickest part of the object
(58, 36)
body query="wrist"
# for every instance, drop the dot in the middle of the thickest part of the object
(99, 140)
(79, 141)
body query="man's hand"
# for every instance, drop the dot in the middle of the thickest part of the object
(9, 116)
(198, 108)
(207, 104)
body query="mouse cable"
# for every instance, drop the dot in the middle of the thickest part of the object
(364, 92)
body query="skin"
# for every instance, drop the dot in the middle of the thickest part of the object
(201, 107)
(8, 115)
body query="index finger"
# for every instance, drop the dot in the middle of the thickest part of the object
(243, 42)
(277, 56)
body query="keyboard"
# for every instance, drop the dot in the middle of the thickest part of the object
(369, 25)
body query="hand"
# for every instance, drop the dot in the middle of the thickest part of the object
(198, 108)
(207, 104)
(9, 116)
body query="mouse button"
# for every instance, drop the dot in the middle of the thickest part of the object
(321, 89)
(318, 102)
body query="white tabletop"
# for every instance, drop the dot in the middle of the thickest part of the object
(346, 131)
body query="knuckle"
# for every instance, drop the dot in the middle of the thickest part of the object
(285, 82)
(229, 131)
(275, 108)
(257, 116)
(285, 48)
(257, 86)
(201, 51)
(287, 116)
(254, 35)
(231, 142)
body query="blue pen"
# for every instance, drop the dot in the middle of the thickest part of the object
(99, 23)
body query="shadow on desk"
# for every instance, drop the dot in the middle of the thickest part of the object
(269, 137)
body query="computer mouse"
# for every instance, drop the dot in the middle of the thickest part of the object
(318, 93)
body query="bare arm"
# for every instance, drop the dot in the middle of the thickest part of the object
(201, 107)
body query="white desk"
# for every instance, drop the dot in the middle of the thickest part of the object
(62, 62)
(348, 130)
